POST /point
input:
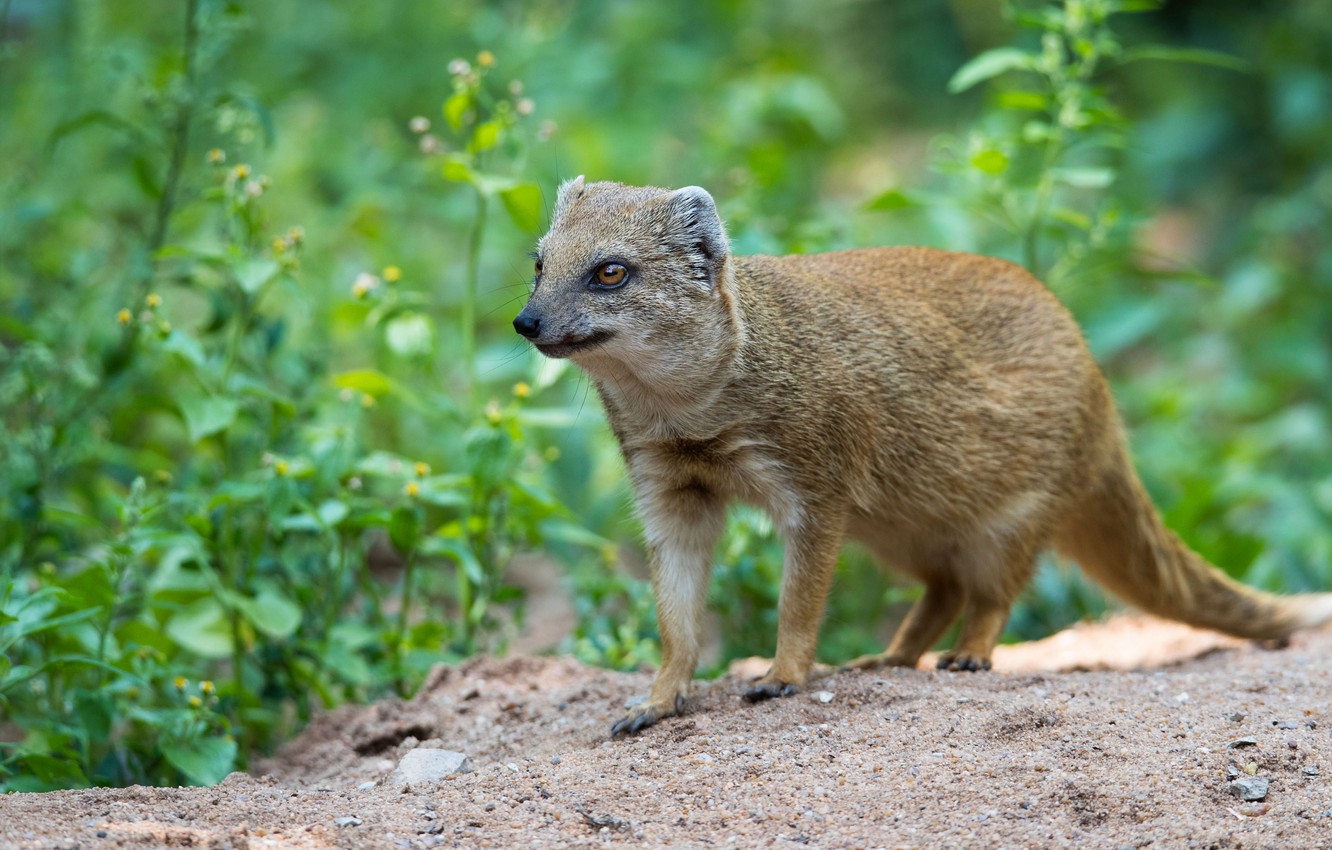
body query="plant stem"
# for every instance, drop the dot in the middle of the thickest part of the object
(401, 630)
(180, 143)
(469, 296)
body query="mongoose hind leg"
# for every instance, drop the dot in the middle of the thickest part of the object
(928, 618)
(811, 557)
(988, 603)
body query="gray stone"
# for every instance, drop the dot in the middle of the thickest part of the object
(1250, 788)
(1242, 742)
(347, 821)
(420, 767)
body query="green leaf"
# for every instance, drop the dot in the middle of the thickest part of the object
(271, 612)
(184, 346)
(254, 275)
(202, 628)
(524, 205)
(893, 199)
(1022, 100)
(455, 108)
(205, 761)
(1191, 55)
(990, 161)
(1084, 178)
(457, 170)
(368, 381)
(404, 528)
(990, 64)
(206, 415)
(485, 137)
(410, 335)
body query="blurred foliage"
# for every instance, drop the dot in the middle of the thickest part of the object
(268, 444)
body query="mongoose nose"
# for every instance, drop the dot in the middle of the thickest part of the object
(528, 326)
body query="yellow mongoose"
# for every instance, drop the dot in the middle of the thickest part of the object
(940, 408)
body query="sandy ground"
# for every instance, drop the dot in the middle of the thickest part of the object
(1087, 757)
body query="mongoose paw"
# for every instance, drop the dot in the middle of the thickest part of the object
(878, 661)
(644, 715)
(961, 663)
(767, 688)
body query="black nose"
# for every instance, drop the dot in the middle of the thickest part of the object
(528, 326)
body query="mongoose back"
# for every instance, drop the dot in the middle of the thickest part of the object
(940, 408)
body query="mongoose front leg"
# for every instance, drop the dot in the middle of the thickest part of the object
(682, 529)
(928, 618)
(811, 557)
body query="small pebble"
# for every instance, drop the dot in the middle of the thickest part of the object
(554, 759)
(1250, 788)
(347, 821)
(823, 696)
(1237, 717)
(366, 786)
(1247, 741)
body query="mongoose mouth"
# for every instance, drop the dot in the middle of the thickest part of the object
(568, 346)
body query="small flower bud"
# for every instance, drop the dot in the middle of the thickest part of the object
(217, 156)
(365, 284)
(240, 172)
(392, 274)
(420, 124)
(459, 67)
(412, 489)
(422, 469)
(515, 87)
(153, 300)
(124, 316)
(180, 682)
(195, 702)
(522, 390)
(280, 468)
(367, 401)
(429, 143)
(206, 686)
(296, 235)
(524, 106)
(485, 58)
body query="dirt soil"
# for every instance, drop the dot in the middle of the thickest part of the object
(1120, 734)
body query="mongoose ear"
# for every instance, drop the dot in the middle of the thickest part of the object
(694, 218)
(569, 193)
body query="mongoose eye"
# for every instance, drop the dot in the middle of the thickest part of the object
(536, 266)
(611, 275)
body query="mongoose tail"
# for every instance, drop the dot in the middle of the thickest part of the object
(1118, 539)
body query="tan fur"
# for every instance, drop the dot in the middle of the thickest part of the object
(940, 408)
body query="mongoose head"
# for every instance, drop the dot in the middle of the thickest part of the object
(631, 280)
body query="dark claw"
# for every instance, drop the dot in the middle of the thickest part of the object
(633, 725)
(966, 663)
(769, 690)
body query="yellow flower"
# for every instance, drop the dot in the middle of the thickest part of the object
(216, 156)
(195, 702)
(280, 467)
(552, 453)
(392, 274)
(124, 317)
(522, 390)
(422, 469)
(493, 412)
(206, 686)
(279, 245)
(296, 235)
(153, 300)
(412, 489)
(240, 172)
(132, 693)
(367, 401)
(485, 59)
(180, 682)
